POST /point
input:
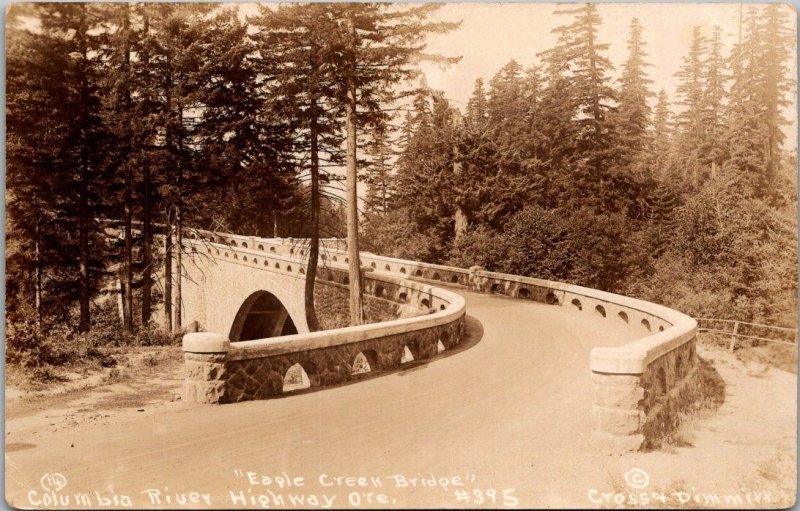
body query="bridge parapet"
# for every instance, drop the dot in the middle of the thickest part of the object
(220, 371)
(636, 386)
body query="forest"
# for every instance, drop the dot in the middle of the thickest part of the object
(155, 118)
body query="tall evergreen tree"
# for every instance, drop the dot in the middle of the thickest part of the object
(477, 109)
(379, 48)
(746, 136)
(779, 41)
(662, 136)
(634, 115)
(713, 150)
(578, 72)
(73, 30)
(300, 61)
(689, 122)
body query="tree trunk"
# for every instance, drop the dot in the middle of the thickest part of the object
(147, 252)
(168, 256)
(128, 284)
(168, 275)
(177, 325)
(83, 192)
(313, 252)
(38, 284)
(461, 223)
(356, 296)
(128, 206)
(83, 256)
(461, 220)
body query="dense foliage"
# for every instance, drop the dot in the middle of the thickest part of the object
(556, 172)
(128, 121)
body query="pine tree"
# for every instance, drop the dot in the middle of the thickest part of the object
(382, 152)
(72, 30)
(776, 54)
(118, 108)
(477, 109)
(380, 47)
(689, 123)
(713, 150)
(39, 235)
(578, 75)
(634, 110)
(300, 61)
(662, 137)
(747, 138)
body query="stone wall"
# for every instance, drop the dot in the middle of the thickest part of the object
(224, 373)
(635, 410)
(263, 377)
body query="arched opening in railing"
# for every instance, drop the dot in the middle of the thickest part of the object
(623, 316)
(552, 299)
(298, 378)
(600, 310)
(364, 362)
(261, 316)
(577, 303)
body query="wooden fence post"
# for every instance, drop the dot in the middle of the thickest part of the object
(733, 336)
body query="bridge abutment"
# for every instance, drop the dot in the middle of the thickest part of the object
(205, 355)
(638, 399)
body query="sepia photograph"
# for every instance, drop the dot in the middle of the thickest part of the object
(384, 255)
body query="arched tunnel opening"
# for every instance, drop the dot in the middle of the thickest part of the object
(261, 316)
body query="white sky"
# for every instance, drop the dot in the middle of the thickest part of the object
(492, 34)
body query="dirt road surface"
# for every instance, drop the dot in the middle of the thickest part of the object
(503, 422)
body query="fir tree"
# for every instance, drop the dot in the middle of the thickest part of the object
(689, 123)
(634, 114)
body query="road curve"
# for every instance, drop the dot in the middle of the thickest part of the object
(510, 412)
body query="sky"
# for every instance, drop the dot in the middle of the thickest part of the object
(492, 34)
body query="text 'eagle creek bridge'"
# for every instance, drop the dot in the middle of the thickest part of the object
(246, 295)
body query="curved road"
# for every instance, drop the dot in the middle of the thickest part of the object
(510, 411)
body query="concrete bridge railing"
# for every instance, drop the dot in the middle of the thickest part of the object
(636, 386)
(221, 371)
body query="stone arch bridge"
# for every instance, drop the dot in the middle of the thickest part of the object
(243, 296)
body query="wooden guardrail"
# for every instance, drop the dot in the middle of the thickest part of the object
(744, 330)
